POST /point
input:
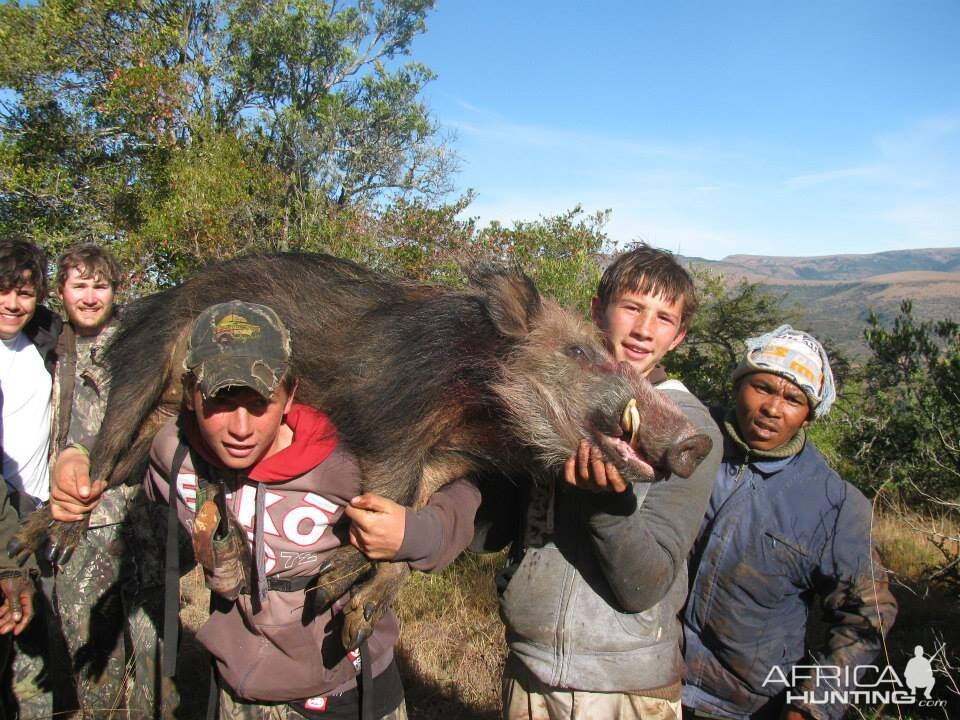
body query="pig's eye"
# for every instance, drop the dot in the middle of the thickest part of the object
(576, 352)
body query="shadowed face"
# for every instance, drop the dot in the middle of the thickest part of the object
(640, 328)
(87, 300)
(17, 306)
(241, 426)
(770, 410)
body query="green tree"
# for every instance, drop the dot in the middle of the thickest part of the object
(727, 316)
(903, 430)
(560, 253)
(318, 84)
(433, 244)
(107, 98)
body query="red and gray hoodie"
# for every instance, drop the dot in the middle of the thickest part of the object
(296, 497)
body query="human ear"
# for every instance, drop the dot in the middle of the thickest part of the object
(290, 396)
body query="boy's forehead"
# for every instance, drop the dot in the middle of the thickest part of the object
(642, 292)
(26, 280)
(82, 271)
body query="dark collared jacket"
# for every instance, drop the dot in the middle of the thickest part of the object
(776, 533)
(43, 331)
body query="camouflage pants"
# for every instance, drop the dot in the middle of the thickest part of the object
(526, 698)
(89, 600)
(110, 607)
(233, 709)
(37, 684)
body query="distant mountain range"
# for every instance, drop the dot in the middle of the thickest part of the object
(833, 294)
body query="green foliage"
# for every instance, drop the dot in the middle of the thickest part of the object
(218, 202)
(559, 253)
(727, 316)
(119, 117)
(185, 131)
(430, 244)
(904, 429)
(311, 80)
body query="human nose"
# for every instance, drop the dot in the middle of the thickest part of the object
(643, 325)
(240, 425)
(12, 301)
(772, 406)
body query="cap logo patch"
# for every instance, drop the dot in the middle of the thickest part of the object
(234, 328)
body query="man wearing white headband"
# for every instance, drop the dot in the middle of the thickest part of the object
(781, 528)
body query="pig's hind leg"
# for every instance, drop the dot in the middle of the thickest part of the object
(374, 588)
(345, 567)
(39, 532)
(372, 597)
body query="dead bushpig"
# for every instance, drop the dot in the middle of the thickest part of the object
(424, 383)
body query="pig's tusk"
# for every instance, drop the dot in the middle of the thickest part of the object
(630, 421)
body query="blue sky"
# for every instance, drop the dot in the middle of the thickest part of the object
(708, 128)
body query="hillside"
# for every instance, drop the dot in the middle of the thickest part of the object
(838, 268)
(833, 294)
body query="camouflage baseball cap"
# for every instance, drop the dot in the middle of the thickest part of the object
(238, 344)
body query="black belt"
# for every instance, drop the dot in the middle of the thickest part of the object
(289, 584)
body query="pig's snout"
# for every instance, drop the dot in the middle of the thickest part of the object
(684, 455)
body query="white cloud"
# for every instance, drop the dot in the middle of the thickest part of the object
(831, 176)
(546, 137)
(721, 199)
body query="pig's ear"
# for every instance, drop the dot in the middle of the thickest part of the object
(513, 301)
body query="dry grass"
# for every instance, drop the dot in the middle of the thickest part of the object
(451, 647)
(193, 661)
(908, 539)
(929, 613)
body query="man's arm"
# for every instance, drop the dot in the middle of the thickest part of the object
(858, 607)
(428, 539)
(642, 537)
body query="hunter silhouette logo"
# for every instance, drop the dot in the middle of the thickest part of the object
(919, 673)
(235, 328)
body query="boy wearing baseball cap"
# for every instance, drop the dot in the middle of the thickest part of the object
(781, 527)
(267, 492)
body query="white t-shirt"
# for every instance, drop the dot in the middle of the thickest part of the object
(25, 429)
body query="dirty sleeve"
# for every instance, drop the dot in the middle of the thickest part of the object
(434, 535)
(9, 525)
(858, 607)
(642, 538)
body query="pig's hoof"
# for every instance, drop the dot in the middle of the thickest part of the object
(370, 600)
(32, 536)
(359, 620)
(64, 537)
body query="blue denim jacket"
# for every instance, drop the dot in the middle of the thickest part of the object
(776, 534)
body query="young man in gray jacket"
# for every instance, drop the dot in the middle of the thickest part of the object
(591, 600)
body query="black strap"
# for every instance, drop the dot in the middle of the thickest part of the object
(171, 597)
(366, 683)
(288, 584)
(213, 694)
